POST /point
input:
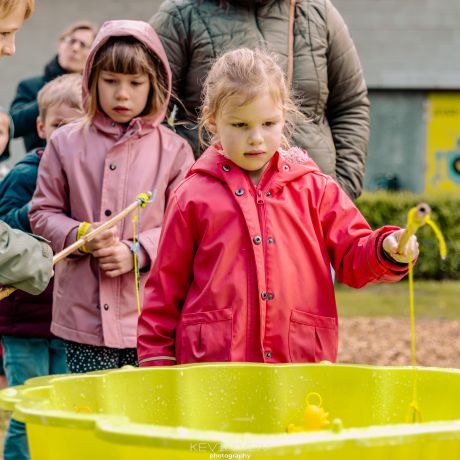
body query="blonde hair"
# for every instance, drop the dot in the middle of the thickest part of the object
(244, 73)
(6, 6)
(127, 55)
(65, 89)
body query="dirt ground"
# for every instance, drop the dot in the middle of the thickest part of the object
(386, 341)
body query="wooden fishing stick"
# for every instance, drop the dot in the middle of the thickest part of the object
(141, 200)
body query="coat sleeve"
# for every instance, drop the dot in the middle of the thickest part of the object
(149, 238)
(170, 27)
(355, 250)
(26, 263)
(347, 106)
(14, 201)
(24, 110)
(50, 207)
(166, 290)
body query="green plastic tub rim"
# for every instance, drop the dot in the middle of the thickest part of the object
(29, 404)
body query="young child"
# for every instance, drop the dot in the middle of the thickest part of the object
(243, 265)
(91, 171)
(13, 13)
(30, 350)
(6, 134)
(25, 262)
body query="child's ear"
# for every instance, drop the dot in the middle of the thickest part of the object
(41, 128)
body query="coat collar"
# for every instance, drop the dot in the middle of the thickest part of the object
(284, 167)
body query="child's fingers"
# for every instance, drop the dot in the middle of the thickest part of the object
(116, 260)
(104, 240)
(109, 266)
(391, 243)
(103, 252)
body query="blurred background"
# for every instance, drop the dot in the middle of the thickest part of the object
(409, 51)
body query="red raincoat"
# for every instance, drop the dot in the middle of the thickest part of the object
(243, 272)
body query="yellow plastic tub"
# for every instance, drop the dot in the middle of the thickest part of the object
(239, 411)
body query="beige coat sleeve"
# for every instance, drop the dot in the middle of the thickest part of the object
(26, 263)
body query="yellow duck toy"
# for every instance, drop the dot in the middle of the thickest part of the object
(315, 417)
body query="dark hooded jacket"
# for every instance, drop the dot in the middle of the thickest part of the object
(24, 108)
(328, 80)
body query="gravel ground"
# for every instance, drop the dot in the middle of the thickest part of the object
(386, 341)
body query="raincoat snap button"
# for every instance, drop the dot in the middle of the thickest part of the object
(286, 168)
(268, 354)
(239, 192)
(108, 212)
(268, 194)
(257, 239)
(226, 168)
(113, 124)
(112, 166)
(263, 295)
(106, 306)
(270, 296)
(270, 240)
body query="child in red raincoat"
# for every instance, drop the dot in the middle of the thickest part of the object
(243, 265)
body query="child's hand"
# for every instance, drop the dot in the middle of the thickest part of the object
(105, 239)
(390, 246)
(115, 260)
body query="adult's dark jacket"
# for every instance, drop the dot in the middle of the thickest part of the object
(22, 314)
(328, 79)
(24, 108)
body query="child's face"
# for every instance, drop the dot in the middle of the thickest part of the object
(251, 133)
(4, 131)
(123, 97)
(56, 116)
(9, 25)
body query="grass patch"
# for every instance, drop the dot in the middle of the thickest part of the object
(433, 300)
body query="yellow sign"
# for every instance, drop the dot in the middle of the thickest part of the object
(443, 143)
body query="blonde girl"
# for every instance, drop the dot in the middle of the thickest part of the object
(250, 280)
(93, 169)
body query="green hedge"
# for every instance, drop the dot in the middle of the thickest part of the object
(383, 208)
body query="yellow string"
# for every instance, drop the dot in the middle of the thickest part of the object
(135, 260)
(143, 200)
(414, 412)
(439, 236)
(413, 224)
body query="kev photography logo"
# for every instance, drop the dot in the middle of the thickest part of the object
(216, 452)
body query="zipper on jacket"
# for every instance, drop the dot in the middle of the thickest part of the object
(260, 199)
(261, 214)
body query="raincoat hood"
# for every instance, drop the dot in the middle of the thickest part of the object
(143, 32)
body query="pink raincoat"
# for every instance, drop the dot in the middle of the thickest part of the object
(90, 173)
(250, 280)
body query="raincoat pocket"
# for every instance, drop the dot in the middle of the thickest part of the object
(205, 336)
(312, 338)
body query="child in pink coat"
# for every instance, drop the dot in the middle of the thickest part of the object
(90, 171)
(250, 279)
